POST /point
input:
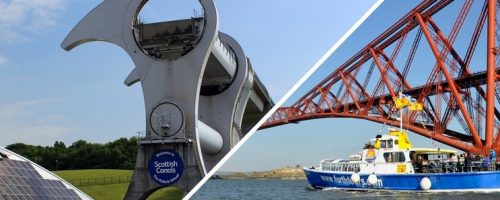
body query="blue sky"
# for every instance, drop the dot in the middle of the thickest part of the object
(49, 94)
(310, 141)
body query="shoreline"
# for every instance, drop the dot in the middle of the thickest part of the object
(287, 173)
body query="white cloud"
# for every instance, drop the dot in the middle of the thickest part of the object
(20, 17)
(31, 122)
(3, 60)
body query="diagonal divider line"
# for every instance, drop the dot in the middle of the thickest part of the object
(284, 98)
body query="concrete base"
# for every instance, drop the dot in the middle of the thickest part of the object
(142, 185)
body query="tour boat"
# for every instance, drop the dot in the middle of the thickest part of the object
(390, 162)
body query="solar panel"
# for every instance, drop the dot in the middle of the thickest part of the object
(20, 180)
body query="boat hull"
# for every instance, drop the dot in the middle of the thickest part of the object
(463, 181)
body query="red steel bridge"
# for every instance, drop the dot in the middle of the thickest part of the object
(444, 54)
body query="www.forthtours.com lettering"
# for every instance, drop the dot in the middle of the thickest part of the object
(347, 181)
(166, 167)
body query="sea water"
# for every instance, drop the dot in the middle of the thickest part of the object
(299, 189)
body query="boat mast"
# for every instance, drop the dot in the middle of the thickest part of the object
(401, 115)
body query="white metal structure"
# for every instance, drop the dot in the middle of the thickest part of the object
(200, 92)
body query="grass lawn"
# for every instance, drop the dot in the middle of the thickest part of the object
(109, 192)
(92, 173)
(168, 193)
(112, 191)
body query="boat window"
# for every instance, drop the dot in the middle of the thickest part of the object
(396, 142)
(391, 157)
(388, 157)
(340, 166)
(399, 157)
(386, 144)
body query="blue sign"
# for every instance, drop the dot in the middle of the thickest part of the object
(166, 167)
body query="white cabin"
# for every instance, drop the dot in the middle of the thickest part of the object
(390, 154)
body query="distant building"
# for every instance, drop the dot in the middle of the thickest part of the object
(23, 179)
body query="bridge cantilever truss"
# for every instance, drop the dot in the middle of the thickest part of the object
(460, 93)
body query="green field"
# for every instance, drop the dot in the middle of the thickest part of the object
(110, 184)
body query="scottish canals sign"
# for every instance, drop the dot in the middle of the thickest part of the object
(166, 167)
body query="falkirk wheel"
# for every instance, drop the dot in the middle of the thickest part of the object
(200, 92)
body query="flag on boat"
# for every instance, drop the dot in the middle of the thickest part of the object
(401, 102)
(407, 101)
(416, 106)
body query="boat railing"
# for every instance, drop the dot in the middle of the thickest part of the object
(340, 166)
(436, 166)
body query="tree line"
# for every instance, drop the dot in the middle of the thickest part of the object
(118, 154)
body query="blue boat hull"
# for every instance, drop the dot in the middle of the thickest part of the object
(463, 181)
